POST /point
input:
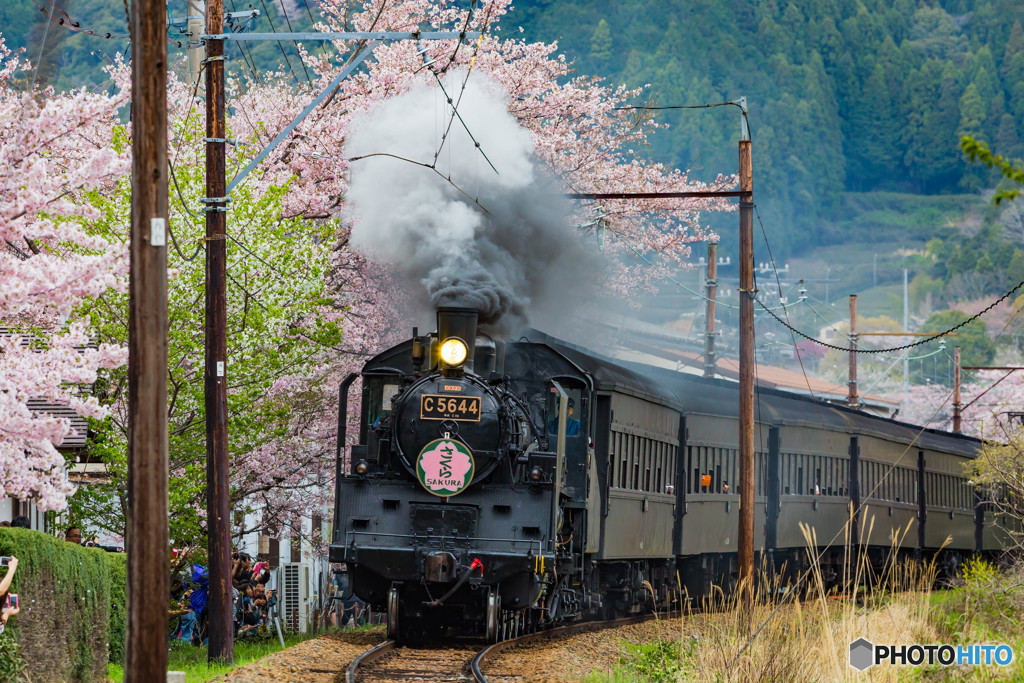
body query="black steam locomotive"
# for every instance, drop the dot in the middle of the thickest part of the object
(499, 487)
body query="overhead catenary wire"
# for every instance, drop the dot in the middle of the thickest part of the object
(679, 284)
(710, 105)
(926, 340)
(281, 47)
(71, 24)
(455, 104)
(246, 49)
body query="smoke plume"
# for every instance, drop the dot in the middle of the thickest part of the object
(499, 242)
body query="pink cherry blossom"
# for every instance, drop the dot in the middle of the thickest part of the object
(54, 148)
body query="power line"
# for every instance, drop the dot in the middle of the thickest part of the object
(458, 100)
(926, 340)
(67, 22)
(740, 103)
(281, 47)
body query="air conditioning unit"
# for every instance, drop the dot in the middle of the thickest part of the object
(295, 595)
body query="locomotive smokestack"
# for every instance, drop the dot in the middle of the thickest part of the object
(458, 322)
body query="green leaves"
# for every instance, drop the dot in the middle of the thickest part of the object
(978, 152)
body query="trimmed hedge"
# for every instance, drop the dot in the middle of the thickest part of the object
(72, 607)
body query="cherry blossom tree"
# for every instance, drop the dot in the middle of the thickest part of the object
(306, 308)
(51, 158)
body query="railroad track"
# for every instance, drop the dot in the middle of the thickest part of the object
(387, 662)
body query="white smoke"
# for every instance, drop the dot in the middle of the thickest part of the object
(506, 249)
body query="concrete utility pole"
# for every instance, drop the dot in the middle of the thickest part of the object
(852, 399)
(906, 326)
(195, 21)
(147, 542)
(745, 550)
(956, 390)
(709, 311)
(221, 644)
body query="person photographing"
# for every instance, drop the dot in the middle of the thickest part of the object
(8, 600)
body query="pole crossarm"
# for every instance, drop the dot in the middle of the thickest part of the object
(659, 195)
(345, 35)
(358, 59)
(1011, 371)
(907, 334)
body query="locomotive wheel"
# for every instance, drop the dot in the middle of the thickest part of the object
(393, 632)
(493, 617)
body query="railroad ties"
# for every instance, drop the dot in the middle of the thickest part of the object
(461, 660)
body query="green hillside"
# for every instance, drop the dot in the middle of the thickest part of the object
(847, 99)
(862, 96)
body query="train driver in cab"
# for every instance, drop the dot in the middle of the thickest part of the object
(572, 424)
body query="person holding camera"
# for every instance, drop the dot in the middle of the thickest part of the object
(8, 600)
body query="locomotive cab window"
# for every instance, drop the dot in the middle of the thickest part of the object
(573, 426)
(379, 392)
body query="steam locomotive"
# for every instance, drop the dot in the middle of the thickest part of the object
(503, 486)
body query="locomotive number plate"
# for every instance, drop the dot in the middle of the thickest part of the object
(463, 408)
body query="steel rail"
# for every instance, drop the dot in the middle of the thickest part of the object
(547, 634)
(373, 653)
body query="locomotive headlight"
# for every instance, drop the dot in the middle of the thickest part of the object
(453, 351)
(536, 473)
(362, 467)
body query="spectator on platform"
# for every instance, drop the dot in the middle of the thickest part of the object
(21, 522)
(74, 535)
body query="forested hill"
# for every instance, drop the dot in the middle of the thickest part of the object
(863, 95)
(868, 95)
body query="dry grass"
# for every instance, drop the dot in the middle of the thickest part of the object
(807, 637)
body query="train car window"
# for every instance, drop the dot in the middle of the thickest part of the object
(673, 455)
(689, 468)
(636, 464)
(648, 463)
(634, 482)
(717, 486)
(758, 475)
(800, 481)
(788, 467)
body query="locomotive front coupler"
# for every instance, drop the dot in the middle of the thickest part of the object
(473, 567)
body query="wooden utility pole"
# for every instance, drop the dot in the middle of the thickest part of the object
(221, 644)
(148, 545)
(745, 551)
(956, 390)
(852, 399)
(711, 287)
